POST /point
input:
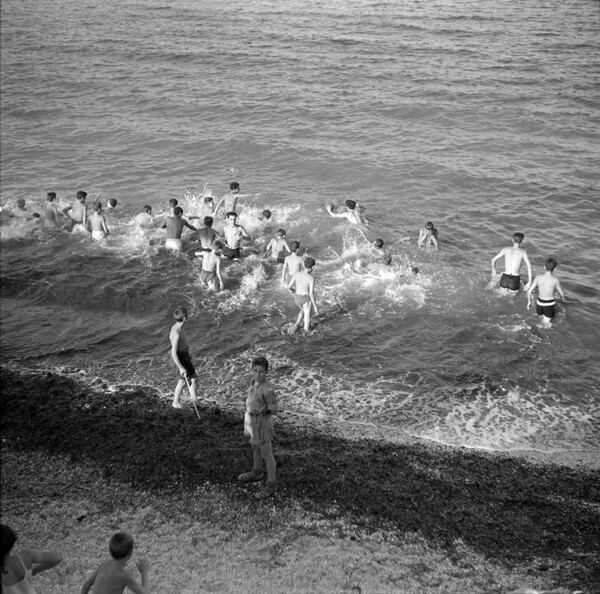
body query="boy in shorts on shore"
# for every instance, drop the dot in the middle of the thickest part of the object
(180, 354)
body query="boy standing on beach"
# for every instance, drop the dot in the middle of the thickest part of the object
(292, 263)
(513, 258)
(112, 576)
(261, 405)
(305, 295)
(211, 267)
(546, 285)
(180, 354)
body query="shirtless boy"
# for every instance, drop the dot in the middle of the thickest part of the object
(513, 258)
(146, 218)
(292, 263)
(180, 354)
(547, 284)
(305, 295)
(211, 267)
(230, 199)
(21, 211)
(96, 223)
(112, 576)
(351, 214)
(278, 246)
(428, 236)
(174, 226)
(234, 234)
(207, 237)
(51, 212)
(111, 205)
(78, 210)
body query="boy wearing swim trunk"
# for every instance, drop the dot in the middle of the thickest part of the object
(546, 285)
(180, 355)
(211, 267)
(513, 258)
(305, 294)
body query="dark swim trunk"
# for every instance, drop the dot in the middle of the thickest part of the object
(280, 260)
(186, 361)
(545, 307)
(510, 281)
(231, 253)
(206, 276)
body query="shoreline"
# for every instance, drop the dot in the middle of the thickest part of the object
(345, 483)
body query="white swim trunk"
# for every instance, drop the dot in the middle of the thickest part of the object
(174, 244)
(98, 235)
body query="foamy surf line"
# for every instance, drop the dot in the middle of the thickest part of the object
(313, 396)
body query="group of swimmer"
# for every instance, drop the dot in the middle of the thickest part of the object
(296, 271)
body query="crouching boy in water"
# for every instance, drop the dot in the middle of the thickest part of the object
(181, 357)
(546, 285)
(261, 405)
(112, 577)
(305, 294)
(211, 267)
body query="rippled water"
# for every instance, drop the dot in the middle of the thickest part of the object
(482, 117)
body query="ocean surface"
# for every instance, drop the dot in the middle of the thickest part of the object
(480, 116)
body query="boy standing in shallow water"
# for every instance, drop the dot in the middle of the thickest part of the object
(305, 295)
(513, 258)
(546, 285)
(112, 577)
(292, 263)
(261, 405)
(181, 357)
(278, 246)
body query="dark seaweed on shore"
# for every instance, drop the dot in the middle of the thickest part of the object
(510, 510)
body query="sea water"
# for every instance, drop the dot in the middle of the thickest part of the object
(480, 116)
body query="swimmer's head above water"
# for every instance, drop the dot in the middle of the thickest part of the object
(180, 314)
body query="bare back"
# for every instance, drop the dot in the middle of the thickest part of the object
(547, 284)
(304, 282)
(294, 264)
(178, 337)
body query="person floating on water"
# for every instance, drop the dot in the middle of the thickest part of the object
(78, 210)
(513, 258)
(211, 267)
(547, 284)
(352, 213)
(261, 405)
(180, 354)
(174, 226)
(278, 247)
(305, 293)
(234, 234)
(428, 236)
(292, 263)
(96, 223)
(112, 576)
(378, 246)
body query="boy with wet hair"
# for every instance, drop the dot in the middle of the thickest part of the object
(174, 226)
(547, 284)
(51, 212)
(146, 218)
(230, 199)
(207, 237)
(352, 214)
(305, 296)
(513, 256)
(428, 236)
(292, 263)
(111, 205)
(278, 246)
(112, 576)
(211, 267)
(261, 405)
(78, 209)
(234, 234)
(96, 223)
(180, 354)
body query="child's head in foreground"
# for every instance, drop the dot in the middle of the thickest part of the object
(260, 362)
(309, 263)
(518, 237)
(120, 545)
